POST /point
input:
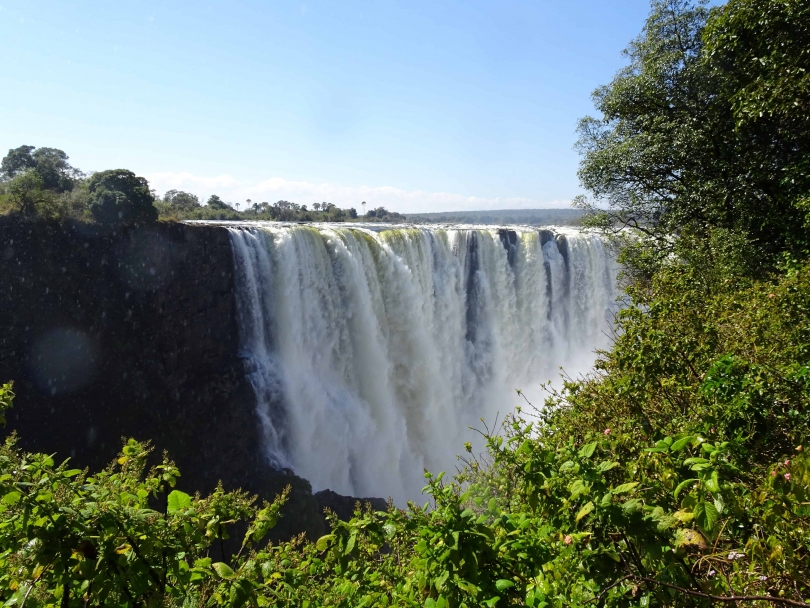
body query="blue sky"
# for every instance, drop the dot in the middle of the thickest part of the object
(418, 106)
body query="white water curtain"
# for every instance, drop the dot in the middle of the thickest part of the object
(371, 353)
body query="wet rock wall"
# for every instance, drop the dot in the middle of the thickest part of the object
(133, 334)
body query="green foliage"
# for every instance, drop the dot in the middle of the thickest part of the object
(214, 202)
(57, 174)
(705, 129)
(71, 539)
(26, 193)
(183, 200)
(39, 183)
(28, 196)
(16, 161)
(763, 48)
(381, 214)
(119, 197)
(49, 163)
(6, 398)
(217, 209)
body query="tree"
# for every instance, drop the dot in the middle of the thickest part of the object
(51, 164)
(118, 196)
(316, 206)
(760, 53)
(183, 200)
(214, 202)
(644, 153)
(26, 192)
(669, 154)
(762, 48)
(16, 161)
(57, 174)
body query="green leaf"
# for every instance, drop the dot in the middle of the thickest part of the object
(578, 488)
(503, 584)
(712, 515)
(719, 503)
(706, 515)
(584, 511)
(350, 544)
(224, 570)
(713, 482)
(689, 461)
(178, 501)
(607, 465)
(625, 487)
(682, 443)
(682, 485)
(588, 449)
(324, 542)
(686, 536)
(632, 505)
(11, 498)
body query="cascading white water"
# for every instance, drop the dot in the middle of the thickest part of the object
(372, 352)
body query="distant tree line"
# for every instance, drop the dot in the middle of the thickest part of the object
(180, 205)
(533, 217)
(41, 183)
(381, 214)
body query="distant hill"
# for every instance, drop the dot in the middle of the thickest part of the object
(535, 217)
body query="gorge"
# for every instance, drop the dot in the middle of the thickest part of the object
(269, 354)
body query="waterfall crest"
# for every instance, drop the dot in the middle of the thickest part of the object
(372, 352)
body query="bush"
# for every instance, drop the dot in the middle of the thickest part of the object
(119, 197)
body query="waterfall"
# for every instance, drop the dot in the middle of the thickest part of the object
(372, 352)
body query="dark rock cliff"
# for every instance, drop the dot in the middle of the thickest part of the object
(344, 506)
(134, 335)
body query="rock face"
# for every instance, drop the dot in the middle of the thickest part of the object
(133, 334)
(343, 506)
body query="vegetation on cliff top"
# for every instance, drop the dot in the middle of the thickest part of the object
(40, 183)
(676, 474)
